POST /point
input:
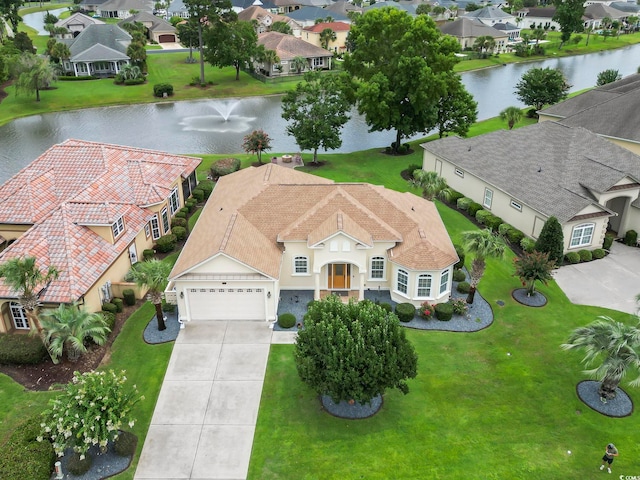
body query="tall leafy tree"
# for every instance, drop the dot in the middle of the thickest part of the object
(23, 42)
(9, 11)
(457, 110)
(153, 275)
(257, 142)
(326, 37)
(188, 34)
(68, 327)
(59, 52)
(231, 44)
(551, 240)
(611, 345)
(24, 276)
(608, 76)
(542, 86)
(401, 65)
(482, 244)
(138, 54)
(511, 115)
(317, 110)
(569, 15)
(33, 74)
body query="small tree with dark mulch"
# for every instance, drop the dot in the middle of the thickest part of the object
(353, 352)
(551, 240)
(532, 267)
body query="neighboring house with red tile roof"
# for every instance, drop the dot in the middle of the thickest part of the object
(287, 47)
(89, 209)
(269, 229)
(265, 19)
(312, 35)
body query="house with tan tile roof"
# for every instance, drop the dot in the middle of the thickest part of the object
(341, 29)
(89, 209)
(264, 19)
(288, 47)
(270, 229)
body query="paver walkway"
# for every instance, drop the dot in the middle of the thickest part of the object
(203, 424)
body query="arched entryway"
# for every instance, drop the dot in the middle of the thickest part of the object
(617, 223)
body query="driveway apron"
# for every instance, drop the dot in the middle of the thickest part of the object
(203, 424)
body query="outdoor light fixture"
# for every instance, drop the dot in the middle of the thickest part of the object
(268, 294)
(181, 294)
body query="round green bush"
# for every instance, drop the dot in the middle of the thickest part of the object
(119, 303)
(493, 222)
(461, 255)
(528, 244)
(482, 216)
(463, 287)
(459, 276)
(474, 208)
(125, 444)
(109, 319)
(463, 203)
(23, 457)
(191, 204)
(515, 236)
(129, 297)
(386, 307)
(198, 194)
(21, 349)
(444, 311)
(148, 254)
(631, 238)
(585, 255)
(77, 466)
(109, 307)
(573, 257)
(180, 233)
(504, 228)
(159, 89)
(225, 167)
(180, 215)
(405, 312)
(166, 243)
(608, 241)
(286, 320)
(598, 253)
(207, 187)
(178, 222)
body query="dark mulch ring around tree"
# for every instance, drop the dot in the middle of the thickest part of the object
(154, 336)
(351, 410)
(392, 153)
(535, 300)
(588, 393)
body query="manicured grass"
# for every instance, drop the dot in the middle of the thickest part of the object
(473, 411)
(17, 404)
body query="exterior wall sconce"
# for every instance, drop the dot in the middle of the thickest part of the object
(181, 294)
(268, 294)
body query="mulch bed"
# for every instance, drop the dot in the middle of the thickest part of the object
(42, 376)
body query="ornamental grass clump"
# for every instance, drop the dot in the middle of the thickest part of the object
(90, 411)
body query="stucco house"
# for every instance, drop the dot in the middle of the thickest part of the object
(541, 17)
(269, 229)
(526, 175)
(490, 15)
(595, 13)
(312, 35)
(468, 30)
(288, 47)
(308, 16)
(158, 29)
(610, 111)
(89, 209)
(122, 8)
(264, 19)
(76, 23)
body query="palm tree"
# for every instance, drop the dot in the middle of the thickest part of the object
(153, 274)
(430, 182)
(299, 63)
(485, 44)
(511, 115)
(326, 36)
(482, 244)
(269, 57)
(614, 345)
(24, 277)
(67, 327)
(131, 72)
(539, 34)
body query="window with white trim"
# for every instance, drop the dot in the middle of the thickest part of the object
(376, 270)
(516, 205)
(318, 62)
(117, 227)
(155, 227)
(20, 321)
(424, 285)
(147, 230)
(333, 246)
(346, 246)
(174, 201)
(488, 198)
(402, 283)
(459, 172)
(300, 265)
(444, 281)
(165, 220)
(582, 235)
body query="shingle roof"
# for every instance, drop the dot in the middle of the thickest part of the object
(125, 5)
(342, 7)
(288, 47)
(540, 12)
(312, 13)
(157, 24)
(78, 19)
(597, 11)
(554, 179)
(79, 183)
(489, 12)
(110, 40)
(469, 27)
(256, 12)
(252, 211)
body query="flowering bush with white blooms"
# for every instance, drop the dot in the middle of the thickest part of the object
(90, 411)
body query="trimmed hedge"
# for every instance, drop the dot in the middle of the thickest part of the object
(191, 204)
(109, 307)
(631, 238)
(493, 222)
(180, 233)
(18, 349)
(198, 194)
(482, 216)
(405, 312)
(474, 208)
(135, 81)
(515, 236)
(386, 307)
(573, 257)
(598, 253)
(148, 254)
(608, 241)
(182, 215)
(23, 457)
(286, 320)
(71, 78)
(129, 296)
(585, 255)
(159, 89)
(225, 166)
(461, 256)
(463, 287)
(178, 222)
(444, 311)
(459, 276)
(166, 243)
(454, 196)
(119, 303)
(528, 244)
(463, 203)
(207, 187)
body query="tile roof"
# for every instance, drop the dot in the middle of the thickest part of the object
(79, 183)
(568, 161)
(288, 47)
(251, 212)
(335, 26)
(256, 12)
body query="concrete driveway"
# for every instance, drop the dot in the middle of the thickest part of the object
(203, 424)
(612, 282)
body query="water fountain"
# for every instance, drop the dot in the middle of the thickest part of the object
(222, 121)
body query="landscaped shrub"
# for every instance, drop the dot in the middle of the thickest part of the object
(481, 216)
(461, 255)
(386, 307)
(286, 320)
(459, 276)
(135, 81)
(166, 243)
(598, 253)
(225, 167)
(191, 204)
(463, 203)
(407, 173)
(118, 79)
(454, 196)
(207, 187)
(585, 255)
(631, 238)
(125, 444)
(159, 89)
(608, 241)
(528, 244)
(119, 303)
(180, 233)
(474, 208)
(148, 254)
(460, 306)
(504, 229)
(493, 222)
(168, 307)
(129, 296)
(573, 257)
(23, 457)
(463, 287)
(185, 210)
(444, 311)
(198, 194)
(427, 310)
(182, 215)
(405, 312)
(71, 78)
(21, 349)
(551, 240)
(178, 222)
(109, 319)
(78, 466)
(515, 236)
(109, 307)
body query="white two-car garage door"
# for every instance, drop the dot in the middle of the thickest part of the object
(226, 303)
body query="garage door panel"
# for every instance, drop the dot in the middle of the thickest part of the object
(226, 303)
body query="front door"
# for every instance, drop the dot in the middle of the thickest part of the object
(339, 276)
